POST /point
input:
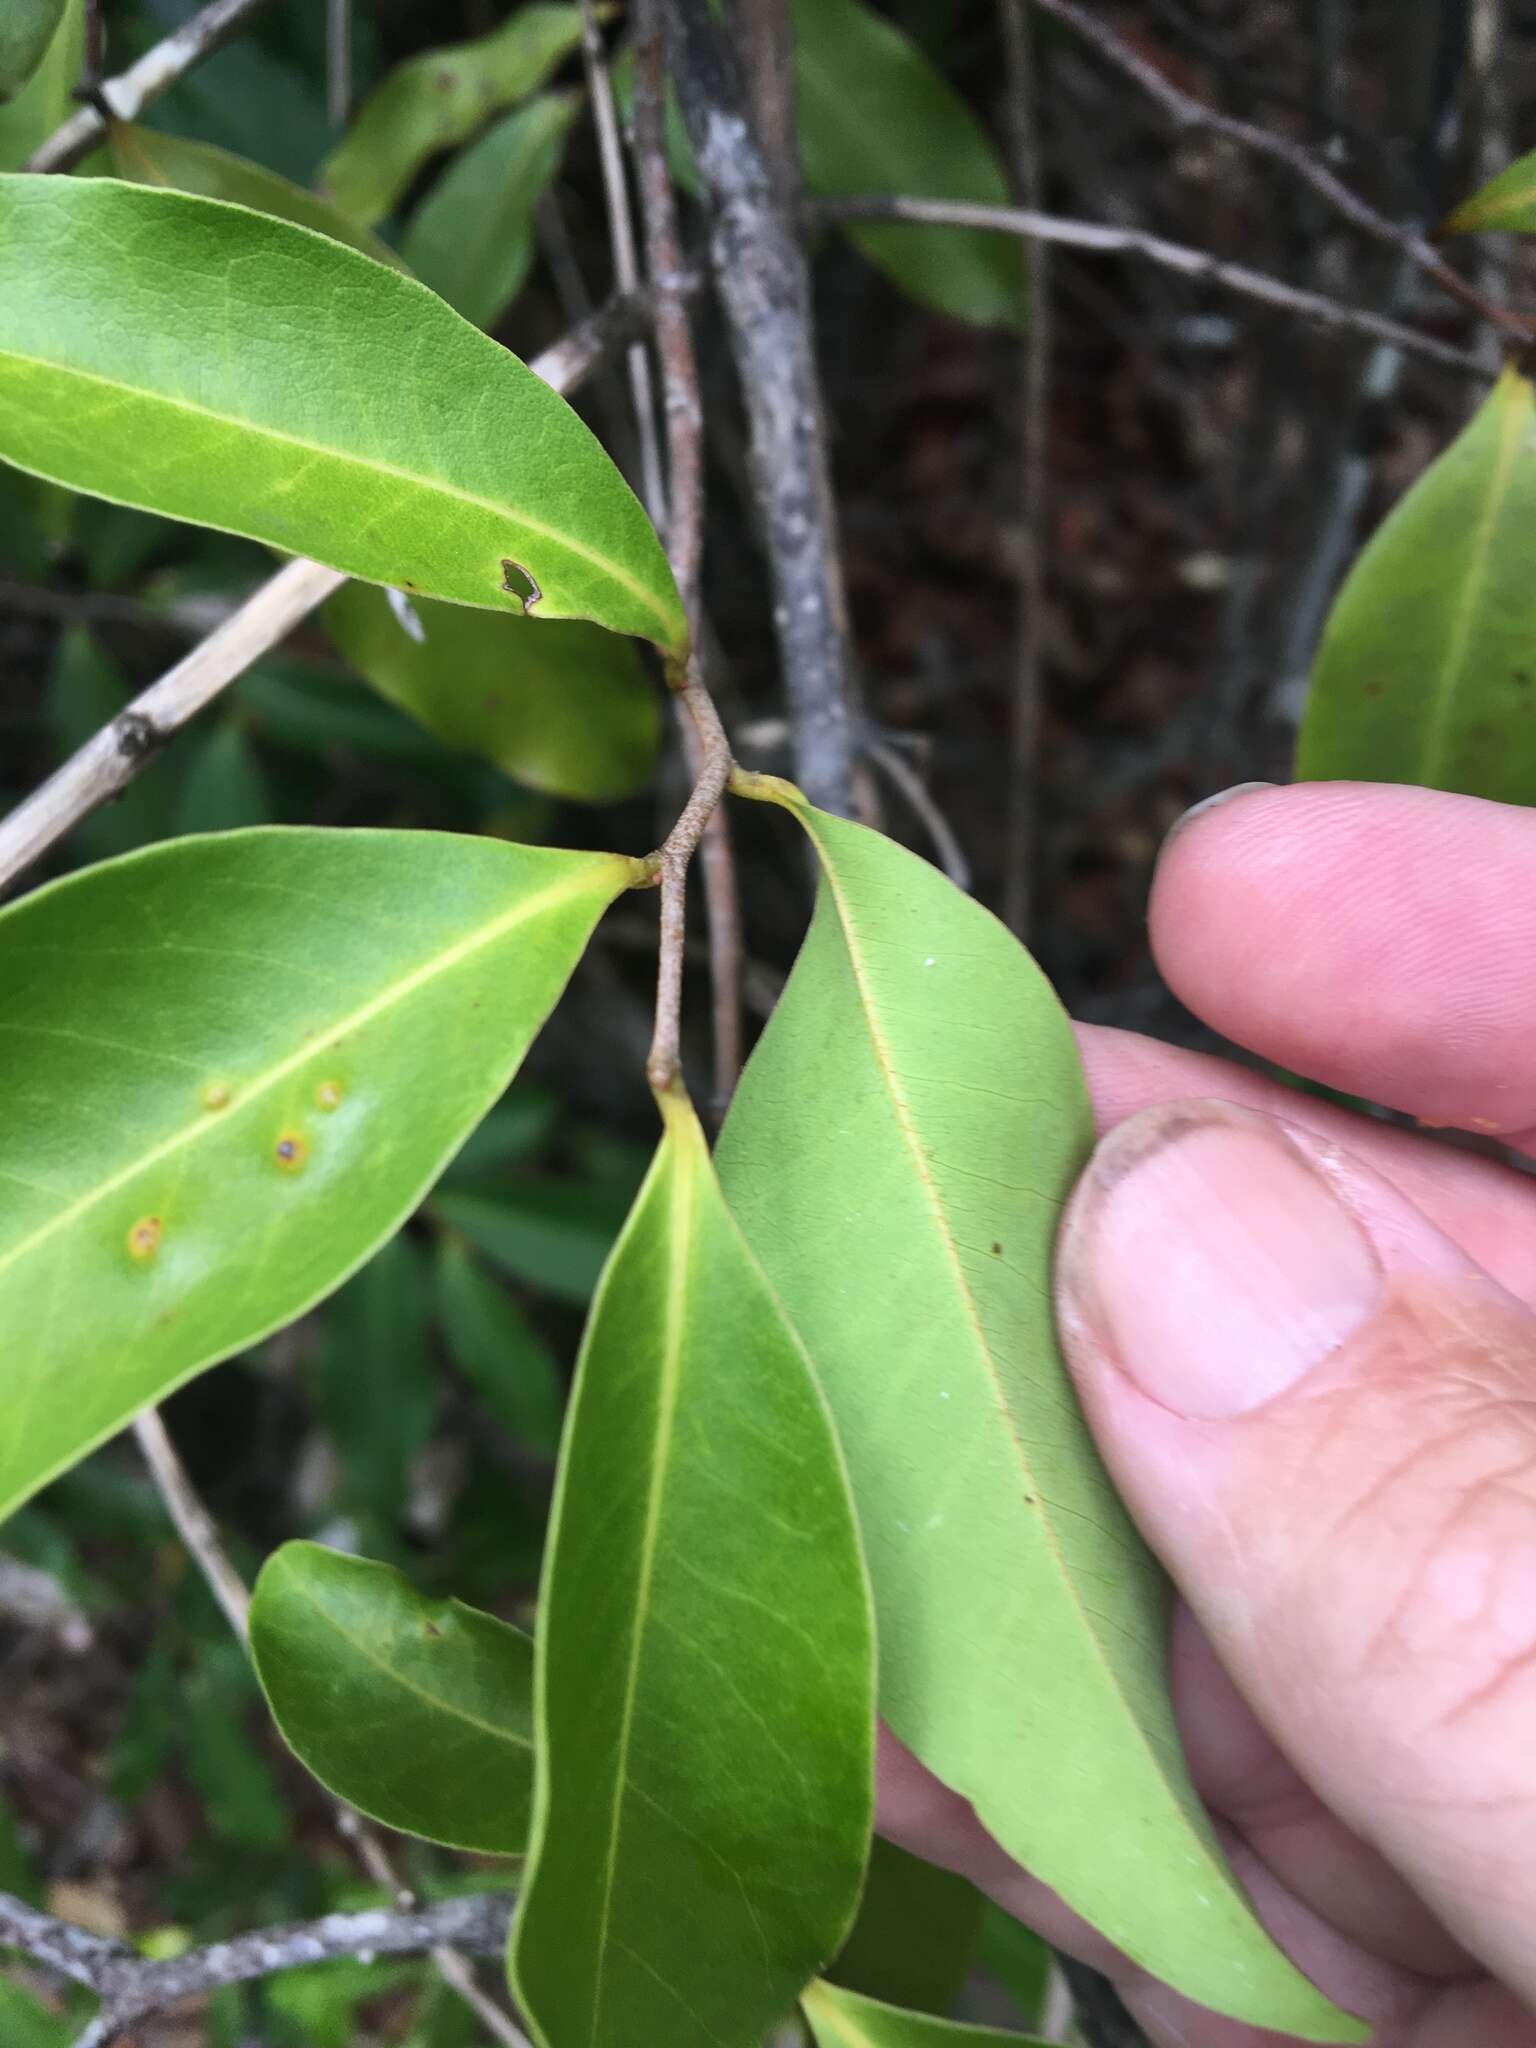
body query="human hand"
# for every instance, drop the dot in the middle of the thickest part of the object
(1307, 1351)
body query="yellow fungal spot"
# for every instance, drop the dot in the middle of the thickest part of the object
(144, 1238)
(328, 1095)
(291, 1151)
(217, 1095)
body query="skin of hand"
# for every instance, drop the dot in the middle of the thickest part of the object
(1306, 1345)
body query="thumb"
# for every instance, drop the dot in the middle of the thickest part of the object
(1323, 1416)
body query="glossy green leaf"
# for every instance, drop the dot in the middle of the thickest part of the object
(27, 27)
(916, 1933)
(495, 1348)
(232, 1067)
(441, 97)
(44, 102)
(1507, 201)
(897, 1156)
(704, 1665)
(564, 707)
(876, 118)
(417, 1712)
(260, 378)
(472, 237)
(844, 2019)
(553, 1234)
(1427, 669)
(376, 1377)
(148, 156)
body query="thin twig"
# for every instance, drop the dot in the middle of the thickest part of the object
(1105, 240)
(621, 238)
(1024, 103)
(684, 414)
(760, 266)
(131, 1987)
(194, 1525)
(131, 91)
(111, 758)
(1190, 112)
(338, 61)
(199, 1532)
(900, 772)
(672, 859)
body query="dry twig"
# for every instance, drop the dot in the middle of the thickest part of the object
(685, 530)
(126, 96)
(760, 267)
(1190, 112)
(1103, 239)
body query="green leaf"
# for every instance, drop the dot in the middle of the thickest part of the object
(377, 1384)
(44, 103)
(1507, 201)
(417, 1712)
(876, 118)
(27, 27)
(440, 98)
(233, 1778)
(843, 2019)
(495, 1348)
(897, 1156)
(1427, 669)
(146, 156)
(472, 237)
(704, 1662)
(565, 708)
(916, 1933)
(553, 1234)
(232, 1067)
(263, 379)
(516, 1129)
(25, 2022)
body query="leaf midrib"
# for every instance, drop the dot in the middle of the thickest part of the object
(906, 1125)
(679, 1244)
(397, 1677)
(209, 1124)
(1437, 731)
(605, 564)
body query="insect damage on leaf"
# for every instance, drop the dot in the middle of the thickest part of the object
(519, 582)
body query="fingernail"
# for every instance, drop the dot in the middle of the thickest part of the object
(1212, 803)
(1212, 1261)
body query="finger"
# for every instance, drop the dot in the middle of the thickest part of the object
(1380, 940)
(1321, 1414)
(1488, 1208)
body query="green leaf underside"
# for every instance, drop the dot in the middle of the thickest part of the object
(897, 1156)
(27, 27)
(1507, 201)
(704, 1667)
(1427, 669)
(844, 2019)
(472, 238)
(417, 1712)
(148, 156)
(916, 1934)
(562, 707)
(438, 98)
(232, 1066)
(265, 380)
(875, 117)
